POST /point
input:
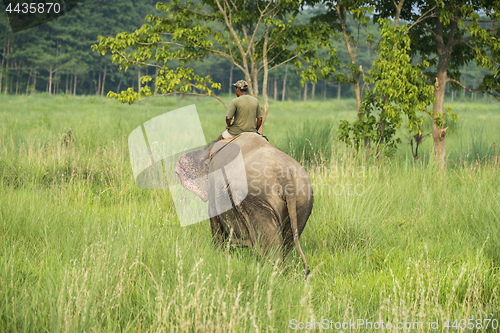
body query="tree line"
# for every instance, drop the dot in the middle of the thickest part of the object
(56, 57)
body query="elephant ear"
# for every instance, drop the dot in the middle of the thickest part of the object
(192, 170)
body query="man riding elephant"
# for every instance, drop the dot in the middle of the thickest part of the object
(244, 112)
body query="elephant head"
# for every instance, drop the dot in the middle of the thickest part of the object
(212, 169)
(192, 170)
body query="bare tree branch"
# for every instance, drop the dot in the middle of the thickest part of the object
(423, 17)
(284, 62)
(262, 13)
(165, 43)
(463, 85)
(188, 94)
(238, 42)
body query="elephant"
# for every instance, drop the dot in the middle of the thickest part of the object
(258, 196)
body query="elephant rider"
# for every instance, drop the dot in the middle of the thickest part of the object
(244, 111)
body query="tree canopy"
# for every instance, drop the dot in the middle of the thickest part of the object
(451, 34)
(253, 36)
(447, 35)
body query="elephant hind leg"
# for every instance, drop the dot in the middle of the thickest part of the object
(270, 250)
(218, 235)
(291, 202)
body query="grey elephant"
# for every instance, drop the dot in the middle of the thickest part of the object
(258, 196)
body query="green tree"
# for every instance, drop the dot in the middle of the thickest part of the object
(447, 35)
(255, 36)
(451, 34)
(397, 87)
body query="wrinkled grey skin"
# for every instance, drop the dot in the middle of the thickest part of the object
(279, 201)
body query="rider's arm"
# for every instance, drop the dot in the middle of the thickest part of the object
(228, 122)
(259, 123)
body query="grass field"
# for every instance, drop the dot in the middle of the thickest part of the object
(82, 248)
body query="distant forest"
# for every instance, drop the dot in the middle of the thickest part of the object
(56, 57)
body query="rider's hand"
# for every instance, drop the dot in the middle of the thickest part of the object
(228, 127)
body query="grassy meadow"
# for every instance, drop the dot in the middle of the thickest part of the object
(82, 248)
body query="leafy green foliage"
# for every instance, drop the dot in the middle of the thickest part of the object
(399, 89)
(254, 36)
(461, 33)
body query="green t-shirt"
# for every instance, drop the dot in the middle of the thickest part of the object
(244, 110)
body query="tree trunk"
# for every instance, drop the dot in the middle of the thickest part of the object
(305, 92)
(312, 91)
(34, 84)
(67, 84)
(74, 86)
(255, 83)
(357, 90)
(104, 79)
(264, 81)
(6, 52)
(438, 134)
(138, 80)
(119, 84)
(284, 83)
(275, 89)
(339, 87)
(253, 87)
(98, 86)
(352, 55)
(324, 89)
(50, 81)
(17, 86)
(231, 80)
(28, 84)
(444, 52)
(56, 84)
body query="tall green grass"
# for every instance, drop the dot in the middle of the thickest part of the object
(82, 248)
